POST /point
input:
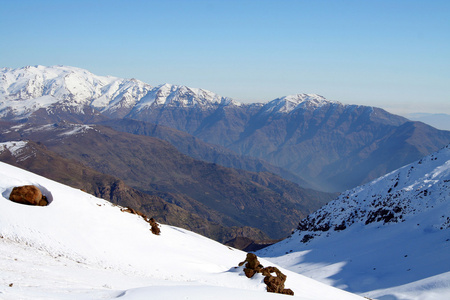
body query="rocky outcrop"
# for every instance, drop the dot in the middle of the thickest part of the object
(29, 195)
(273, 277)
(154, 226)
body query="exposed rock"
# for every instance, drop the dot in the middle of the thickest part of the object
(155, 226)
(28, 194)
(252, 265)
(275, 283)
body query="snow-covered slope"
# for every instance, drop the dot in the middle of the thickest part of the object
(82, 247)
(389, 239)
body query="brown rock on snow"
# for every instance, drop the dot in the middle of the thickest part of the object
(28, 194)
(252, 265)
(275, 283)
(155, 226)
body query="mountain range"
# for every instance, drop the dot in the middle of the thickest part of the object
(330, 146)
(231, 171)
(388, 239)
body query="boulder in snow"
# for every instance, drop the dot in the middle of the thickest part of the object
(28, 194)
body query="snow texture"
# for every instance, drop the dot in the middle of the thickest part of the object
(82, 247)
(388, 239)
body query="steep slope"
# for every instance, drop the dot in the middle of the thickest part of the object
(388, 238)
(226, 196)
(37, 159)
(82, 247)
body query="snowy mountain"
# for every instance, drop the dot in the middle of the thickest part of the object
(290, 103)
(388, 239)
(181, 96)
(82, 247)
(23, 91)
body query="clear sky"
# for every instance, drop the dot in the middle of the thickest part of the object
(386, 53)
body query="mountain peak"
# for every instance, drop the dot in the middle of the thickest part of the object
(290, 103)
(182, 96)
(26, 90)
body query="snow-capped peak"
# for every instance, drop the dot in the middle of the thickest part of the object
(25, 90)
(182, 96)
(292, 102)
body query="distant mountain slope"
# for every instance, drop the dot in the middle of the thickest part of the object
(440, 121)
(332, 146)
(36, 158)
(226, 196)
(388, 238)
(83, 247)
(198, 149)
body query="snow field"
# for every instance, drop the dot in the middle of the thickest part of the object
(82, 247)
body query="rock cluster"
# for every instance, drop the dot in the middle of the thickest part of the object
(275, 283)
(29, 195)
(155, 226)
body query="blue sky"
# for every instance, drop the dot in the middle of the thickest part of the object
(386, 53)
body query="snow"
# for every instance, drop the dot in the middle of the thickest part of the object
(27, 106)
(13, 147)
(77, 129)
(290, 103)
(182, 96)
(82, 247)
(396, 239)
(25, 90)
